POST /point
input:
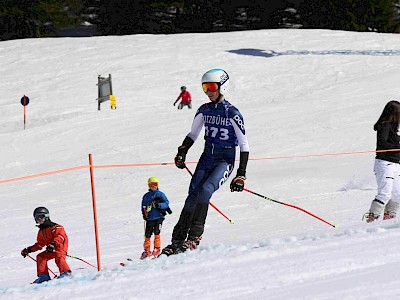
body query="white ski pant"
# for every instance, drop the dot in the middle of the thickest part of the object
(388, 179)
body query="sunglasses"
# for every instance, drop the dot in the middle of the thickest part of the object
(212, 86)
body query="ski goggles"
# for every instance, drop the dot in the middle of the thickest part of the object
(212, 86)
(153, 184)
(40, 217)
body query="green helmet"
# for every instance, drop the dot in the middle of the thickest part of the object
(153, 180)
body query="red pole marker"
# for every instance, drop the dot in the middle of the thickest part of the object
(24, 102)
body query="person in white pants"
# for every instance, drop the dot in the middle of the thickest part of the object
(387, 164)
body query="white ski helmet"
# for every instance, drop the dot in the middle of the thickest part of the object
(218, 76)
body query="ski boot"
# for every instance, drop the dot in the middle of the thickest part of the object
(391, 209)
(145, 254)
(65, 274)
(156, 252)
(370, 217)
(389, 215)
(42, 278)
(191, 243)
(172, 250)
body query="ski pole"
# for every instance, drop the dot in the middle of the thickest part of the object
(80, 260)
(212, 205)
(47, 267)
(290, 205)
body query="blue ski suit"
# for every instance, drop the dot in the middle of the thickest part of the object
(224, 130)
(149, 212)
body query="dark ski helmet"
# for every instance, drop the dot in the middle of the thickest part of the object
(41, 213)
(183, 88)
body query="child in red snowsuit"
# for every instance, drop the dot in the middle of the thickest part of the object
(186, 98)
(54, 238)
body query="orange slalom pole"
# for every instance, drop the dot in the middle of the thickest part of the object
(290, 205)
(212, 205)
(94, 212)
(47, 267)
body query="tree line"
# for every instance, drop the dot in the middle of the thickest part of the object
(41, 18)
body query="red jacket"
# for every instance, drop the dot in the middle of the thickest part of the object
(49, 234)
(186, 97)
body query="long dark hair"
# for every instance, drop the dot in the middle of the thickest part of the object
(390, 114)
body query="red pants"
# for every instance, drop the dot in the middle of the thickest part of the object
(42, 258)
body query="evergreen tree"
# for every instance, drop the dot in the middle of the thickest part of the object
(26, 18)
(354, 15)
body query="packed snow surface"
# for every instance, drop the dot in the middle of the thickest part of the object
(303, 94)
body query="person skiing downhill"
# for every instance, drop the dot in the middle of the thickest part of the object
(186, 98)
(155, 205)
(52, 236)
(387, 164)
(224, 130)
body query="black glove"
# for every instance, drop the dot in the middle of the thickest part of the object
(144, 217)
(182, 151)
(174, 103)
(237, 184)
(26, 251)
(156, 202)
(51, 247)
(181, 157)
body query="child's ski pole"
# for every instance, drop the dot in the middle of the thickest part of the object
(80, 260)
(212, 205)
(47, 268)
(290, 205)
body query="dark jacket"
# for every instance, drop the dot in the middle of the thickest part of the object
(387, 138)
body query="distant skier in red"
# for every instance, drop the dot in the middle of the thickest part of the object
(55, 239)
(186, 98)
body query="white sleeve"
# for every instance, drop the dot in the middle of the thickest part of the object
(242, 138)
(197, 125)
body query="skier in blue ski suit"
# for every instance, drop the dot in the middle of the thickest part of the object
(224, 130)
(155, 205)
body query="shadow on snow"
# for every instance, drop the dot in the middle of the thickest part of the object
(272, 53)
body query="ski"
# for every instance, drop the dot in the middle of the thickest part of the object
(123, 264)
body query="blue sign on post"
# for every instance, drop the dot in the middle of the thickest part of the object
(24, 100)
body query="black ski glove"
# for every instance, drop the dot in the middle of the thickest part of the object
(237, 184)
(181, 157)
(182, 151)
(157, 201)
(26, 251)
(51, 247)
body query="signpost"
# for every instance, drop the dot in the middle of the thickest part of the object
(105, 92)
(24, 102)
